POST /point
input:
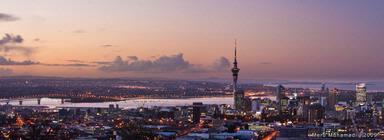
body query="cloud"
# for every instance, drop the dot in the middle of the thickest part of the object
(11, 39)
(101, 62)
(134, 58)
(107, 45)
(5, 71)
(79, 31)
(221, 64)
(70, 65)
(20, 49)
(37, 39)
(6, 17)
(172, 63)
(11, 43)
(76, 61)
(265, 63)
(5, 61)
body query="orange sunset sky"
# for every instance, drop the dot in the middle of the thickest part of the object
(192, 39)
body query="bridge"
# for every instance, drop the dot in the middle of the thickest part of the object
(80, 97)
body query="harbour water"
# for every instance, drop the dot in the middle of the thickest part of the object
(134, 103)
(131, 103)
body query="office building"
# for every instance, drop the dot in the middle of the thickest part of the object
(361, 94)
(196, 114)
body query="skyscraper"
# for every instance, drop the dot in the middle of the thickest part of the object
(238, 94)
(323, 87)
(361, 94)
(280, 93)
(316, 114)
(196, 112)
(332, 98)
(324, 90)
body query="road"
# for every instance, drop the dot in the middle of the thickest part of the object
(271, 136)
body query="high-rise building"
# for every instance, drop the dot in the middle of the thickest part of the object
(238, 94)
(323, 101)
(316, 114)
(256, 105)
(304, 103)
(361, 94)
(111, 107)
(196, 112)
(280, 93)
(370, 99)
(323, 88)
(284, 102)
(332, 98)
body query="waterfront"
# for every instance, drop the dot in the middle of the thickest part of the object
(372, 86)
(130, 103)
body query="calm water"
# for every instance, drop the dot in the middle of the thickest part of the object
(134, 103)
(124, 104)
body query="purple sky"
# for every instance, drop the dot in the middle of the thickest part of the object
(278, 39)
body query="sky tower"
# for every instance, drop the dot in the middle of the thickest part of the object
(238, 94)
(235, 70)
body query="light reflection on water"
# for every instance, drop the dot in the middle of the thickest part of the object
(134, 103)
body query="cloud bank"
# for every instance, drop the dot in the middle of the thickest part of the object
(9, 38)
(70, 65)
(221, 64)
(6, 17)
(5, 61)
(162, 64)
(107, 46)
(80, 31)
(12, 43)
(171, 63)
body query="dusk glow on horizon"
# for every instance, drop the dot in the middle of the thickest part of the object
(191, 69)
(277, 39)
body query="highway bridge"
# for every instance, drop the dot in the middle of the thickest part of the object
(86, 97)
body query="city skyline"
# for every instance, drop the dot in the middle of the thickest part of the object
(277, 39)
(191, 70)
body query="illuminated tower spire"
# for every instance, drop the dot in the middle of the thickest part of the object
(235, 61)
(237, 93)
(235, 70)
